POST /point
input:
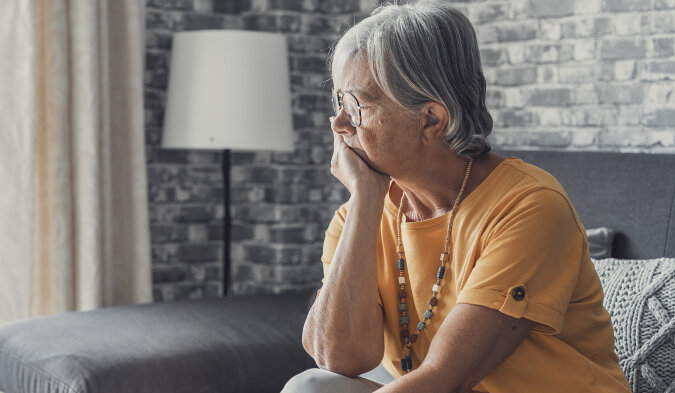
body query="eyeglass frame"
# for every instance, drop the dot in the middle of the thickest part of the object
(338, 106)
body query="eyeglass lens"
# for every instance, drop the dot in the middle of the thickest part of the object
(350, 105)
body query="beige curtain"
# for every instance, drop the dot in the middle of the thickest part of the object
(73, 207)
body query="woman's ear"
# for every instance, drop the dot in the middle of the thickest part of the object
(435, 120)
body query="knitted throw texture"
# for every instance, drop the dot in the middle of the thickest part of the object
(640, 298)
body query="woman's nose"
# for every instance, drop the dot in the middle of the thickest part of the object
(340, 123)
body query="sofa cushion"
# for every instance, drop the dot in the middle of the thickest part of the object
(600, 242)
(640, 297)
(234, 344)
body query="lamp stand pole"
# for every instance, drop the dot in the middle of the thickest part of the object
(226, 221)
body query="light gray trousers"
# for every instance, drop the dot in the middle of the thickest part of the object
(316, 380)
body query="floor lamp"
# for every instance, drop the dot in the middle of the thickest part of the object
(228, 89)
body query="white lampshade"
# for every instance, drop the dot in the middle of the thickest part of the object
(228, 89)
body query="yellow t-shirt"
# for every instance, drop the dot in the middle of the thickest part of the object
(518, 228)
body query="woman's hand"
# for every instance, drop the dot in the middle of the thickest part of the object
(354, 172)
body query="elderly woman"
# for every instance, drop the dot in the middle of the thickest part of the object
(457, 269)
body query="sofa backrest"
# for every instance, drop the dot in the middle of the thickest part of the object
(633, 194)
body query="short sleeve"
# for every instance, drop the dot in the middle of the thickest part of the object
(331, 241)
(530, 262)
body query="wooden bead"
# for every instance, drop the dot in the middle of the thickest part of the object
(433, 301)
(413, 338)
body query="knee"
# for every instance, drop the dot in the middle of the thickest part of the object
(312, 380)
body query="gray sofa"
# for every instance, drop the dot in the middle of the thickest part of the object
(253, 343)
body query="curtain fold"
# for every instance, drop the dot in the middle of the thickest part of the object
(77, 237)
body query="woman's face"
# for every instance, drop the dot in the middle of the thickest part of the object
(388, 135)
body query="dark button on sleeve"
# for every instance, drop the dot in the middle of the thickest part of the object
(518, 293)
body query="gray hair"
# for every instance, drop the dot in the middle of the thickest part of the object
(422, 52)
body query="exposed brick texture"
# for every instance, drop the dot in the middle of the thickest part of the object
(562, 74)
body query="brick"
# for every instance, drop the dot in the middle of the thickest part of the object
(548, 116)
(514, 97)
(517, 31)
(486, 34)
(240, 232)
(661, 117)
(622, 136)
(623, 48)
(231, 6)
(547, 74)
(164, 20)
(156, 78)
(514, 118)
(199, 252)
(586, 27)
(550, 8)
(318, 64)
(585, 50)
(584, 137)
(621, 94)
(629, 114)
(550, 96)
(659, 69)
(516, 54)
(661, 47)
(484, 12)
(586, 95)
(549, 139)
(154, 98)
(201, 22)
(304, 43)
(662, 22)
(170, 4)
(624, 70)
(337, 7)
(326, 24)
(246, 193)
(578, 72)
(153, 135)
(196, 273)
(162, 214)
(168, 234)
(214, 232)
(664, 4)
(594, 116)
(546, 53)
(242, 157)
(494, 98)
(287, 235)
(199, 233)
(205, 6)
(267, 22)
(165, 274)
(254, 174)
(158, 39)
(289, 5)
(164, 253)
(660, 93)
(195, 214)
(549, 29)
(585, 7)
(314, 102)
(627, 24)
(516, 76)
(493, 56)
(627, 5)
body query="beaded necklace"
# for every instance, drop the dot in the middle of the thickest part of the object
(408, 339)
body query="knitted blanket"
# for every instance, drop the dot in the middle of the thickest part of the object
(640, 297)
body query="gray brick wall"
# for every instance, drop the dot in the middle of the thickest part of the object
(562, 74)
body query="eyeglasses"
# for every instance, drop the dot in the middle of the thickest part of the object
(350, 104)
